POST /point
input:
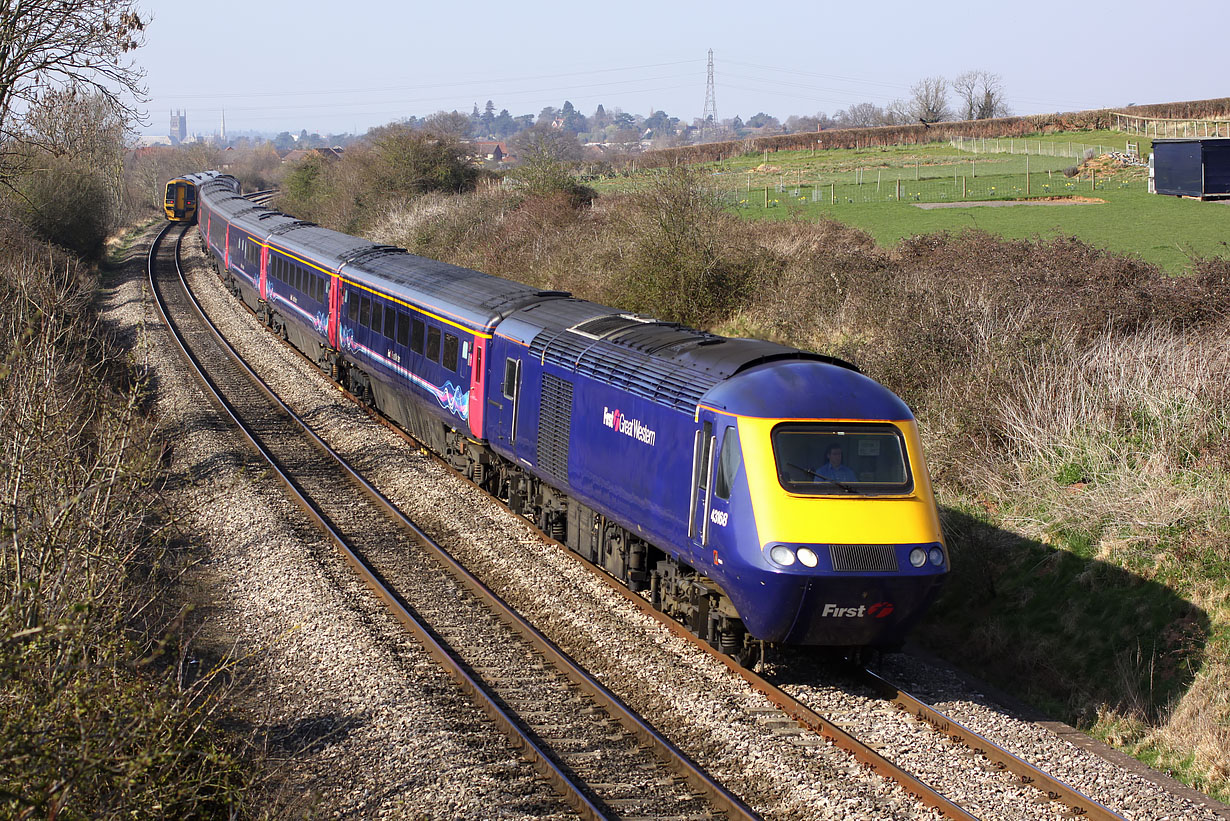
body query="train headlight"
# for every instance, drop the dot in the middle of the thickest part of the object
(937, 556)
(782, 555)
(918, 557)
(808, 557)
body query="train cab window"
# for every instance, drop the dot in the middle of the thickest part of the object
(403, 328)
(450, 352)
(390, 321)
(417, 330)
(433, 343)
(730, 461)
(832, 459)
(365, 312)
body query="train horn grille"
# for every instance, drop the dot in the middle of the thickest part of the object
(862, 558)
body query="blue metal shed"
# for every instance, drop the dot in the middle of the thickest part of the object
(1192, 167)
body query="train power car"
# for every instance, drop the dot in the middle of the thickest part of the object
(180, 200)
(752, 490)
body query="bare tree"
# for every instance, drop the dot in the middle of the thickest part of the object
(59, 44)
(452, 124)
(981, 94)
(861, 115)
(898, 112)
(930, 101)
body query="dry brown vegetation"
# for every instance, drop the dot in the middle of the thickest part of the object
(101, 716)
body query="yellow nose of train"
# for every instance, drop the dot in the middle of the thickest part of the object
(837, 541)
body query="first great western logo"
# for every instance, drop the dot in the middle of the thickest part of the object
(616, 420)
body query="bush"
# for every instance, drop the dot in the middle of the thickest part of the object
(97, 718)
(71, 205)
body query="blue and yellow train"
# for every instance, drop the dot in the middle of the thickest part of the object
(752, 490)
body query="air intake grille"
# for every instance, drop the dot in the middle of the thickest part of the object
(555, 426)
(863, 558)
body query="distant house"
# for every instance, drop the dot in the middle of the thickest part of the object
(151, 141)
(491, 150)
(299, 154)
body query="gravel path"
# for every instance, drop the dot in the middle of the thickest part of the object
(376, 702)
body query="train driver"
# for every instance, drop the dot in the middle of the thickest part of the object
(834, 469)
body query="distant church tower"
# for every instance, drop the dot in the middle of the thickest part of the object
(179, 127)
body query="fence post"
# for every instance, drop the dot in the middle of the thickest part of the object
(833, 192)
(898, 189)
(963, 188)
(1027, 175)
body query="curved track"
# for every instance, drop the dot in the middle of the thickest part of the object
(603, 759)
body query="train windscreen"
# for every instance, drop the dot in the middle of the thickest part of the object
(827, 459)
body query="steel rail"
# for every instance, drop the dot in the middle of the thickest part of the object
(538, 758)
(1000, 758)
(715, 793)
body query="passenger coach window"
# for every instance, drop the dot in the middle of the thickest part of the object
(403, 329)
(416, 336)
(365, 312)
(353, 310)
(450, 352)
(377, 311)
(433, 344)
(390, 321)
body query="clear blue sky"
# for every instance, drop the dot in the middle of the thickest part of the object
(338, 66)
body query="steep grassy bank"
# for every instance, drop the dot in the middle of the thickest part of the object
(101, 714)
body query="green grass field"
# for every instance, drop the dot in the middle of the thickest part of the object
(1166, 231)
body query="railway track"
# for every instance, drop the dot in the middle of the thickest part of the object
(963, 748)
(603, 759)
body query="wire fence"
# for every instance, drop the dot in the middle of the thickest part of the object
(962, 188)
(1161, 127)
(953, 182)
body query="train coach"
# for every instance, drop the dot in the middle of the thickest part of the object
(754, 491)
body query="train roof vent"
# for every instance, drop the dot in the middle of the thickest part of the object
(269, 213)
(291, 226)
(602, 326)
(371, 252)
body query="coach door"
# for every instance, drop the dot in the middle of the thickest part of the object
(504, 401)
(264, 269)
(701, 496)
